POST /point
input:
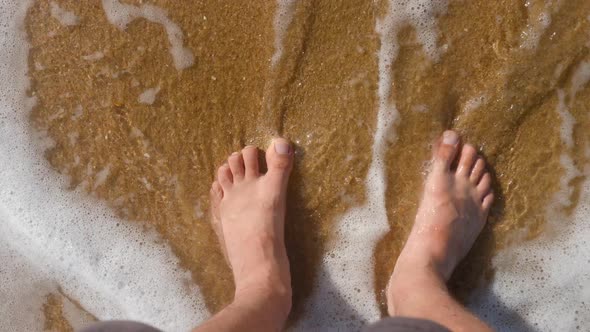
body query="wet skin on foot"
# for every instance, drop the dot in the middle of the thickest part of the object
(248, 216)
(452, 213)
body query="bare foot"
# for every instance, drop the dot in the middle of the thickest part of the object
(453, 212)
(454, 208)
(249, 218)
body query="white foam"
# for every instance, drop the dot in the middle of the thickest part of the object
(539, 19)
(102, 176)
(420, 108)
(567, 120)
(580, 79)
(474, 103)
(24, 292)
(198, 211)
(282, 20)
(50, 236)
(78, 111)
(94, 56)
(64, 17)
(543, 285)
(148, 97)
(73, 137)
(77, 318)
(420, 14)
(563, 197)
(121, 15)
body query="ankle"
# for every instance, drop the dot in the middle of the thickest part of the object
(269, 283)
(271, 295)
(431, 251)
(265, 262)
(413, 278)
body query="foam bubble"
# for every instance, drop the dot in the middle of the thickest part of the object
(121, 15)
(474, 103)
(580, 78)
(102, 176)
(567, 120)
(75, 315)
(148, 97)
(421, 15)
(282, 20)
(51, 237)
(539, 19)
(22, 291)
(94, 56)
(64, 17)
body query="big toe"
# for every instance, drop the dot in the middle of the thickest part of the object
(446, 151)
(279, 160)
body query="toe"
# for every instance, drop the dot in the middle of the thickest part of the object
(484, 186)
(446, 151)
(236, 165)
(279, 159)
(250, 154)
(216, 194)
(467, 160)
(487, 203)
(225, 177)
(477, 171)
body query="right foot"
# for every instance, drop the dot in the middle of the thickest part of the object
(453, 211)
(248, 211)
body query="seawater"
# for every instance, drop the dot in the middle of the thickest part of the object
(69, 235)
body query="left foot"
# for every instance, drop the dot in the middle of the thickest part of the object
(248, 211)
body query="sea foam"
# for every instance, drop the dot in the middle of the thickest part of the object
(282, 20)
(120, 15)
(63, 16)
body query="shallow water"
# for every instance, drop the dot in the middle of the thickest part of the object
(132, 105)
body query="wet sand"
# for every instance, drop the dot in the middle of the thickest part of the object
(58, 310)
(154, 162)
(54, 316)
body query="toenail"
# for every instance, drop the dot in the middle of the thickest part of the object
(281, 146)
(235, 153)
(450, 138)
